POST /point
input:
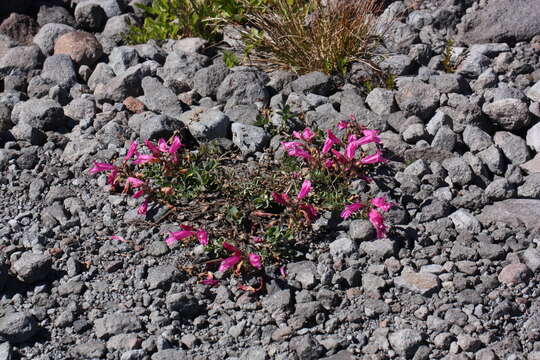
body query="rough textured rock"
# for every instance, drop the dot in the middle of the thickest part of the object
(513, 212)
(82, 47)
(21, 28)
(48, 34)
(510, 114)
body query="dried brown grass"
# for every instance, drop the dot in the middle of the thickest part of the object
(314, 35)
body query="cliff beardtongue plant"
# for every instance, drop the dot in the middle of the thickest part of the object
(267, 215)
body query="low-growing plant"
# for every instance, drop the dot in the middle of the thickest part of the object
(230, 59)
(446, 62)
(313, 35)
(259, 216)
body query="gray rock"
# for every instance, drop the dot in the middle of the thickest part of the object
(188, 44)
(248, 138)
(21, 59)
(361, 230)
(465, 221)
(473, 65)
(449, 83)
(434, 209)
(210, 125)
(510, 114)
(513, 212)
(514, 274)
(445, 139)
(476, 139)
(438, 120)
(186, 305)
(243, 88)
(304, 272)
(81, 109)
(405, 342)
(326, 117)
(414, 133)
(315, 83)
(398, 65)
(60, 70)
(493, 159)
(513, 147)
(207, 80)
(531, 187)
(487, 79)
(534, 92)
(48, 34)
(42, 114)
(169, 354)
(159, 126)
(120, 87)
(381, 101)
(533, 137)
(5, 117)
(18, 327)
(102, 74)
(122, 58)
(500, 189)
(531, 257)
(118, 323)
(54, 14)
(159, 98)
(463, 111)
(32, 267)
(378, 249)
(6, 352)
(161, 276)
(500, 21)
(244, 114)
(90, 350)
(180, 68)
(421, 282)
(115, 31)
(417, 98)
(151, 51)
(342, 246)
(90, 16)
(458, 170)
(306, 347)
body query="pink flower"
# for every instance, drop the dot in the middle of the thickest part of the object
(152, 147)
(329, 163)
(294, 148)
(291, 145)
(374, 158)
(210, 282)
(350, 209)
(343, 124)
(175, 146)
(376, 220)
(131, 151)
(257, 239)
(229, 263)
(144, 159)
(143, 208)
(370, 136)
(231, 248)
(331, 139)
(162, 146)
(111, 178)
(305, 135)
(339, 156)
(304, 191)
(309, 211)
(119, 238)
(283, 271)
(350, 150)
(100, 167)
(255, 260)
(282, 199)
(178, 235)
(381, 203)
(134, 182)
(138, 194)
(202, 236)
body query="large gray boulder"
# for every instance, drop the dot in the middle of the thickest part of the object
(501, 21)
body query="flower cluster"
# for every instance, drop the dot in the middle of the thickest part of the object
(296, 205)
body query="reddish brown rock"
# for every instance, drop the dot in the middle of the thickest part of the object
(514, 274)
(133, 105)
(82, 47)
(21, 28)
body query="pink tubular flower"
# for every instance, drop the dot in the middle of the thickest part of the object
(282, 199)
(100, 167)
(152, 147)
(210, 280)
(376, 220)
(255, 260)
(381, 203)
(331, 139)
(202, 236)
(350, 209)
(370, 136)
(178, 235)
(304, 191)
(283, 271)
(305, 135)
(350, 150)
(144, 159)
(229, 263)
(231, 248)
(111, 178)
(374, 158)
(309, 211)
(329, 163)
(131, 151)
(162, 146)
(138, 194)
(134, 182)
(143, 208)
(296, 149)
(175, 146)
(119, 238)
(339, 156)
(343, 124)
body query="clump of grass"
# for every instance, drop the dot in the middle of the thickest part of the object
(313, 35)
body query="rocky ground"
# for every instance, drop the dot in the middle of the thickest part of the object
(457, 278)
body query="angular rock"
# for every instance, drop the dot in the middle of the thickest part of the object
(114, 324)
(42, 114)
(48, 34)
(510, 114)
(122, 86)
(32, 267)
(315, 83)
(82, 47)
(514, 274)
(90, 350)
(513, 212)
(18, 327)
(418, 98)
(381, 101)
(159, 126)
(90, 16)
(207, 80)
(464, 220)
(18, 27)
(54, 14)
(513, 147)
(533, 137)
(60, 70)
(531, 187)
(243, 88)
(159, 98)
(179, 70)
(21, 59)
(458, 170)
(248, 138)
(161, 276)
(405, 342)
(210, 125)
(476, 139)
(123, 57)
(421, 282)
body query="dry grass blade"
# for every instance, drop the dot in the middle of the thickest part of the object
(309, 35)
